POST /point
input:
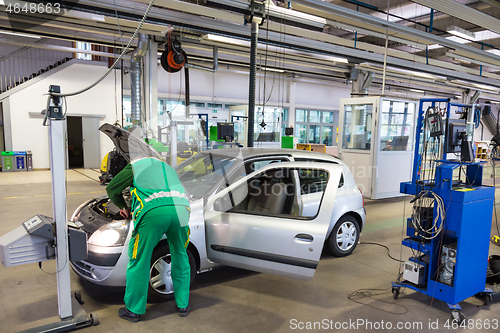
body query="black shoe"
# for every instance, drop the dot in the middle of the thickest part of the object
(129, 315)
(183, 312)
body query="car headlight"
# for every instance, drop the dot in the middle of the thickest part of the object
(111, 234)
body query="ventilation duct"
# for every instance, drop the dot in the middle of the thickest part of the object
(135, 79)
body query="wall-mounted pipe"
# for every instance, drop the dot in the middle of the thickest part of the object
(135, 79)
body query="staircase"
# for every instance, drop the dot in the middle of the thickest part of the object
(8, 82)
(21, 64)
(490, 119)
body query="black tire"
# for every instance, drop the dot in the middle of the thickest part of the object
(335, 247)
(160, 293)
(457, 317)
(395, 293)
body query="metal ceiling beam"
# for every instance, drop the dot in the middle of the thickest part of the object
(395, 27)
(463, 12)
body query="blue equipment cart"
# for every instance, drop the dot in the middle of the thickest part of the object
(450, 227)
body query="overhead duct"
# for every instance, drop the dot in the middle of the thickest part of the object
(135, 79)
(215, 65)
(360, 82)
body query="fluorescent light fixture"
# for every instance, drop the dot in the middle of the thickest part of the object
(495, 102)
(293, 15)
(272, 69)
(229, 40)
(457, 31)
(470, 60)
(416, 90)
(17, 34)
(479, 36)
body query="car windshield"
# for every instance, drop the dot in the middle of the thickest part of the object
(199, 173)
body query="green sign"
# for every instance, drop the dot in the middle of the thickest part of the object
(214, 111)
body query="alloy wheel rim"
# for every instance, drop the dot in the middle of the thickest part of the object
(160, 277)
(346, 236)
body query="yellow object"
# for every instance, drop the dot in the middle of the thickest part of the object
(312, 147)
(463, 189)
(104, 163)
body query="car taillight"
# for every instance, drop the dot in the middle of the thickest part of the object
(362, 197)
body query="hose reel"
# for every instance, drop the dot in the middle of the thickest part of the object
(173, 58)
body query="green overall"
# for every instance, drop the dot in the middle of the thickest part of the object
(159, 206)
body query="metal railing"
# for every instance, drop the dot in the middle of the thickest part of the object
(27, 62)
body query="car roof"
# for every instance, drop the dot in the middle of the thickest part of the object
(255, 152)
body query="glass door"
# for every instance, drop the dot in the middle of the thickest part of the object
(357, 119)
(393, 150)
(238, 114)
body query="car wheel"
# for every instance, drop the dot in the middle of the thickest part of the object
(160, 287)
(344, 236)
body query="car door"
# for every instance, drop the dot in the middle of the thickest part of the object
(281, 243)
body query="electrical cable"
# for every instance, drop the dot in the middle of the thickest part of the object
(382, 245)
(81, 173)
(423, 201)
(116, 61)
(359, 294)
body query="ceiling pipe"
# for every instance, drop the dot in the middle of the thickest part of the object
(135, 79)
(215, 65)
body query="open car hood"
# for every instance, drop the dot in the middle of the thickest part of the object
(129, 146)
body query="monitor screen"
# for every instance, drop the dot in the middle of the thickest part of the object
(225, 131)
(454, 131)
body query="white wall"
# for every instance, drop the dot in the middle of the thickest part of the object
(29, 134)
(223, 86)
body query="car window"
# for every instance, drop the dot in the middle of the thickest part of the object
(251, 166)
(273, 193)
(312, 187)
(199, 173)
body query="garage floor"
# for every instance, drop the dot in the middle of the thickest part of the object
(228, 299)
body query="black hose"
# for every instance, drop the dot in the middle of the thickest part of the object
(251, 93)
(186, 79)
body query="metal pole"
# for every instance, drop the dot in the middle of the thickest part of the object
(251, 93)
(385, 53)
(57, 166)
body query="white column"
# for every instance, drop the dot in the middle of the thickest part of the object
(151, 81)
(57, 153)
(291, 110)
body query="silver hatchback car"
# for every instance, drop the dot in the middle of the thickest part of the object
(266, 210)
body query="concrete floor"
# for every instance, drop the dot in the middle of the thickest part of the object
(233, 300)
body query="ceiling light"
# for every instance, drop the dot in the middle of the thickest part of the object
(17, 34)
(272, 69)
(223, 39)
(417, 90)
(457, 31)
(470, 61)
(300, 17)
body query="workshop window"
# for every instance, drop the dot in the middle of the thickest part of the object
(357, 126)
(396, 125)
(160, 107)
(86, 47)
(284, 123)
(267, 126)
(320, 127)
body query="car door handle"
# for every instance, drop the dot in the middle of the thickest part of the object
(304, 237)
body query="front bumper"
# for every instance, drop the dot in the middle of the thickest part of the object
(106, 266)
